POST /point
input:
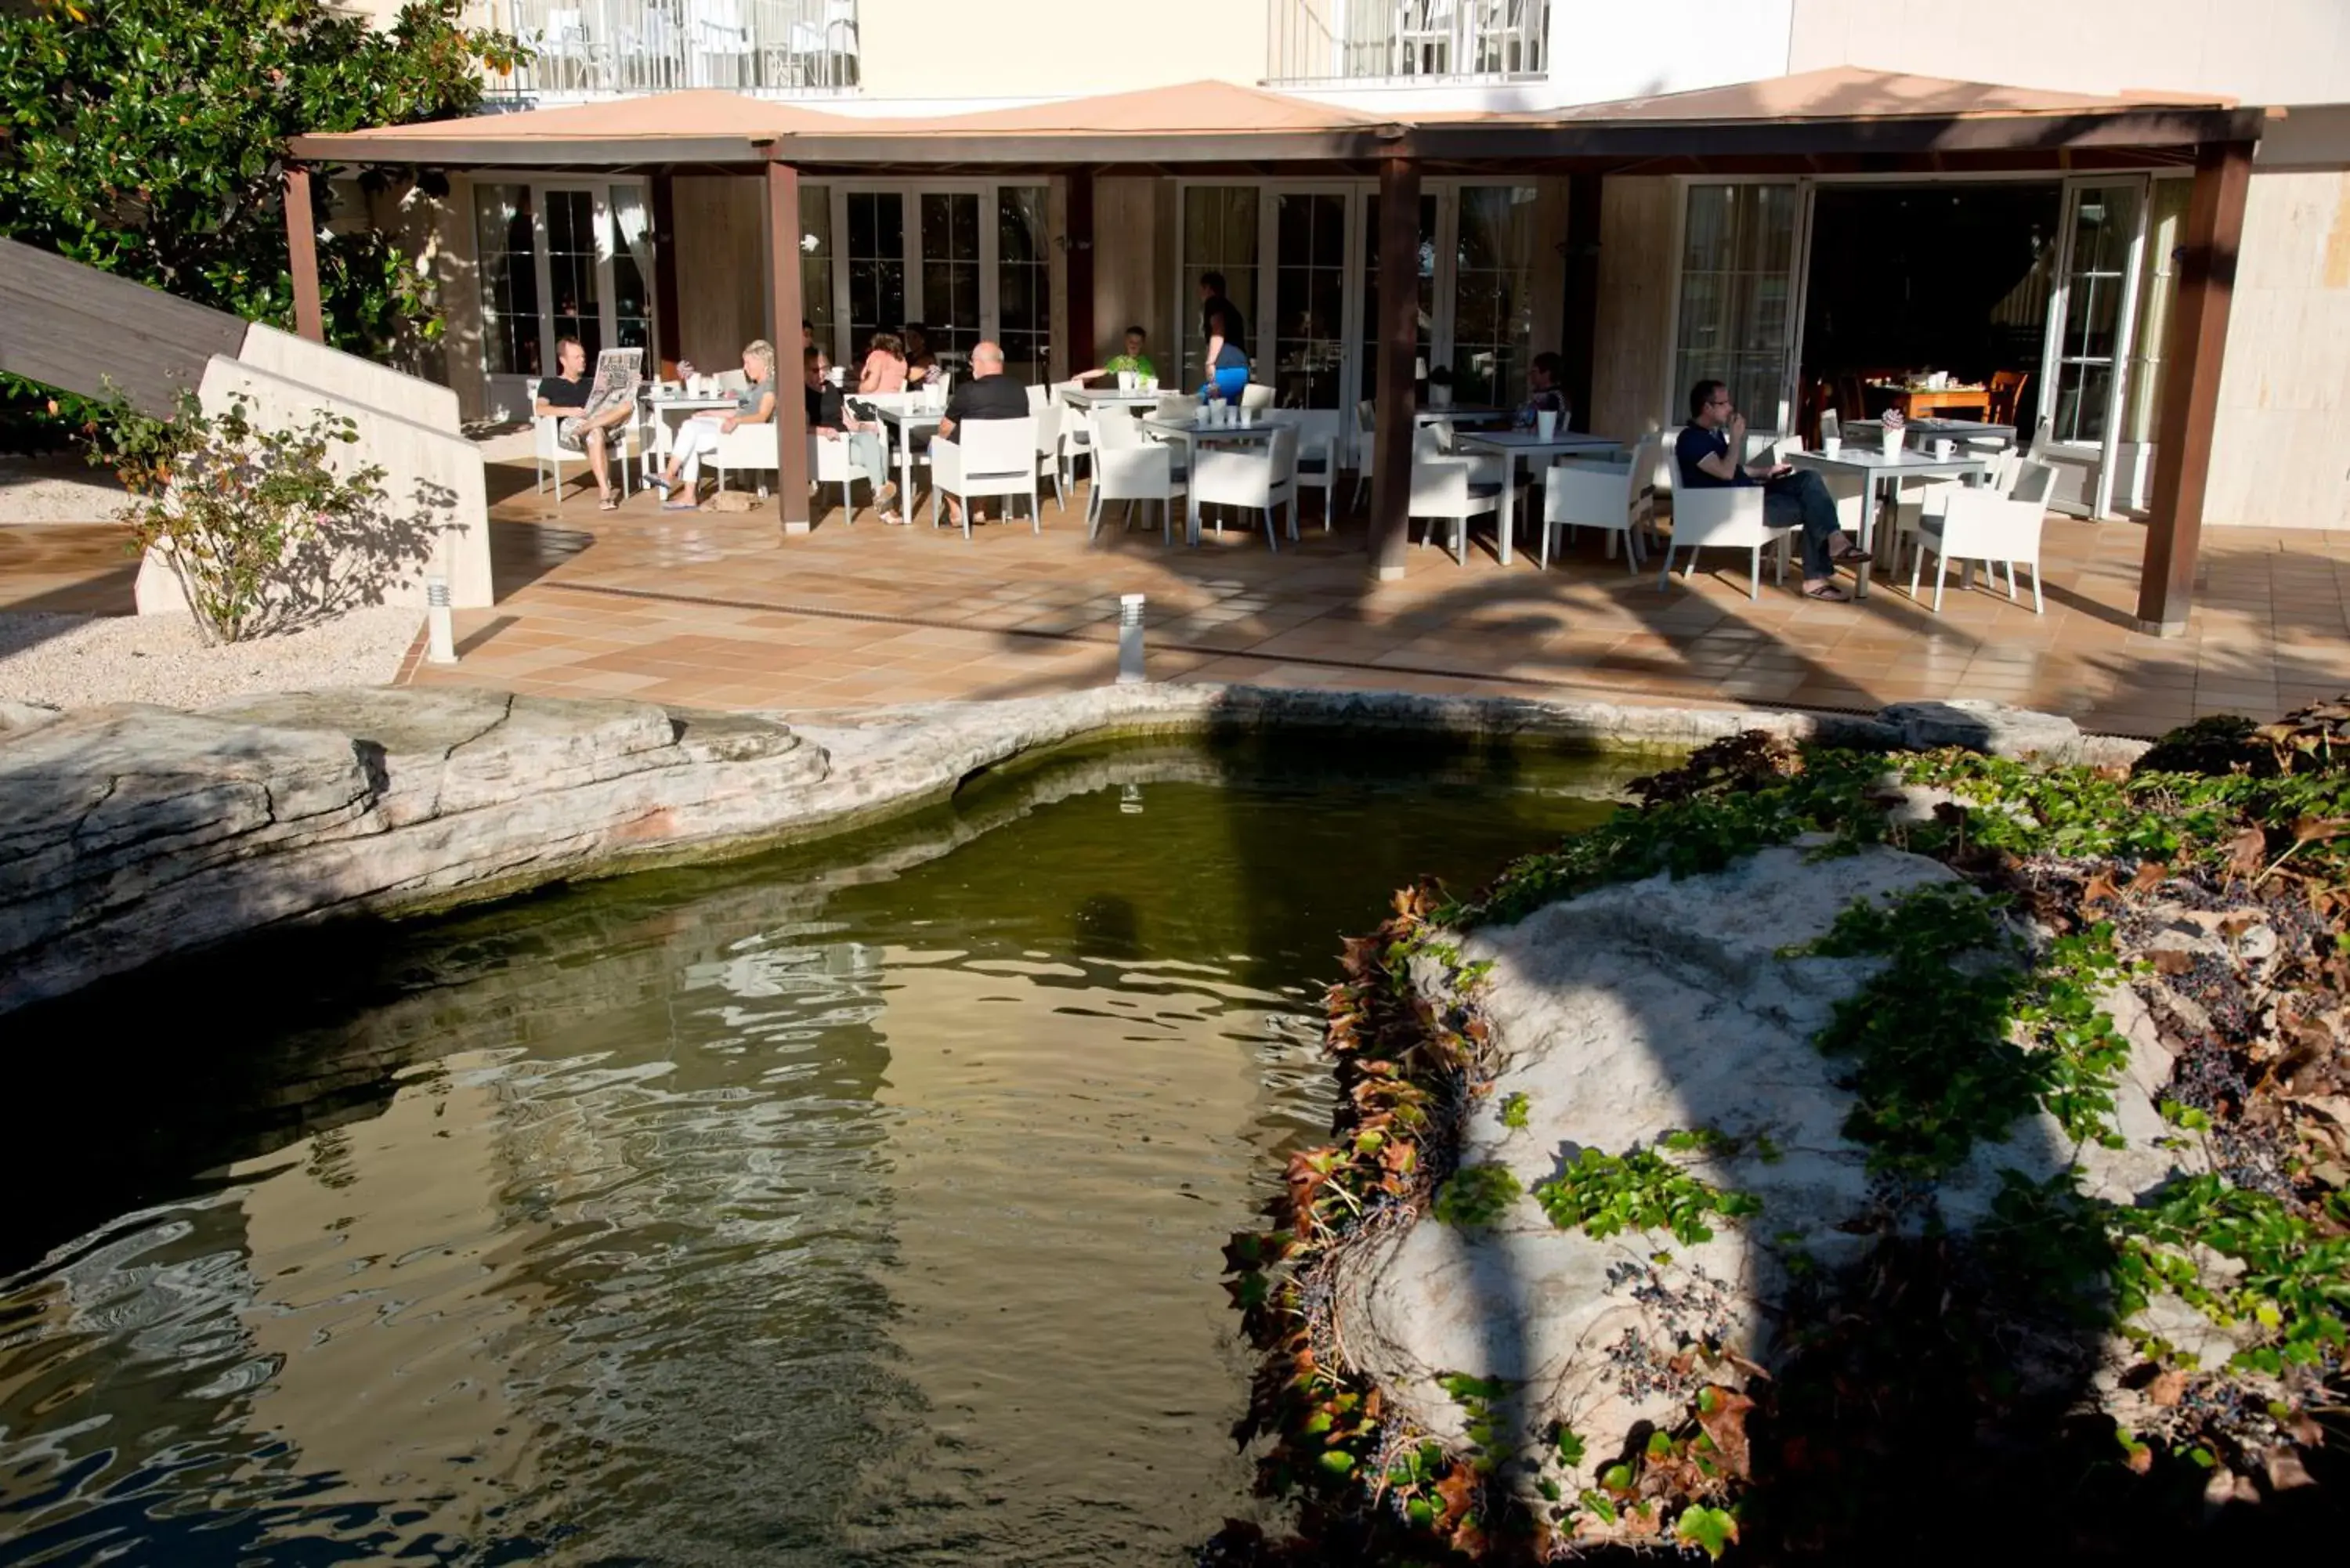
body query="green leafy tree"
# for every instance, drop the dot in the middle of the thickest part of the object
(147, 138)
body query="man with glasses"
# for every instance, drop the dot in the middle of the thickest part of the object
(1705, 457)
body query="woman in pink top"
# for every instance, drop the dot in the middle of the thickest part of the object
(884, 369)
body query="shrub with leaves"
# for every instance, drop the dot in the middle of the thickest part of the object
(253, 519)
(147, 139)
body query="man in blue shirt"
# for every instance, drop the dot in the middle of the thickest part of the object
(1703, 460)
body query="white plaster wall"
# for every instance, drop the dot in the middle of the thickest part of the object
(1054, 49)
(412, 455)
(2259, 51)
(351, 378)
(2279, 458)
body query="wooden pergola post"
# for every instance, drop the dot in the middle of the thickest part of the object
(2191, 385)
(784, 332)
(1391, 422)
(664, 278)
(1082, 347)
(301, 254)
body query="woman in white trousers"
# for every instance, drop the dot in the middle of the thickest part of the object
(697, 437)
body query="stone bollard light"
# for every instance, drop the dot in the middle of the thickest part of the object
(440, 642)
(1130, 639)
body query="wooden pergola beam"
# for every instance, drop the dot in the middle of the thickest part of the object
(301, 254)
(784, 331)
(2190, 408)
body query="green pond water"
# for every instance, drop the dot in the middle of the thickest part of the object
(856, 1204)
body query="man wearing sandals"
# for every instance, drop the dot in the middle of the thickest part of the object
(564, 398)
(1791, 499)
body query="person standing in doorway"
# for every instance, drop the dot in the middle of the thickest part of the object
(1222, 326)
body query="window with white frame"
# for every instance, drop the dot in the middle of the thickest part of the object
(876, 260)
(560, 259)
(1306, 327)
(815, 262)
(574, 298)
(1426, 311)
(950, 264)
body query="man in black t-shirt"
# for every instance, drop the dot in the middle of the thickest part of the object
(986, 394)
(1707, 455)
(564, 398)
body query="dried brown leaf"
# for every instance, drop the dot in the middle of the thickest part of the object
(2286, 1471)
(2247, 851)
(2168, 1388)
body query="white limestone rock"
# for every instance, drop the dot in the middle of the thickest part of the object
(1622, 1016)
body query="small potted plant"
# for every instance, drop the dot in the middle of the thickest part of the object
(1894, 423)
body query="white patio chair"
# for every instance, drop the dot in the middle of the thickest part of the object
(1038, 397)
(1317, 468)
(829, 463)
(1442, 490)
(746, 449)
(1077, 438)
(1729, 517)
(1255, 395)
(1048, 417)
(1261, 480)
(1982, 525)
(985, 457)
(1593, 495)
(1365, 417)
(2032, 482)
(1176, 406)
(1126, 467)
(549, 455)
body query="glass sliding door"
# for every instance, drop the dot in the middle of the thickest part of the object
(2090, 323)
(1220, 235)
(875, 260)
(2157, 293)
(1023, 281)
(1367, 381)
(1302, 338)
(1493, 321)
(574, 271)
(1736, 313)
(632, 272)
(949, 307)
(816, 302)
(506, 257)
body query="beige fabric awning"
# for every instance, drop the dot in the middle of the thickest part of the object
(1829, 112)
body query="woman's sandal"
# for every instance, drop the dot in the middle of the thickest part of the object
(1832, 592)
(607, 502)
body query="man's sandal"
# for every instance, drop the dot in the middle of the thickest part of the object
(1832, 593)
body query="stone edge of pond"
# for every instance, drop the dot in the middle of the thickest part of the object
(131, 833)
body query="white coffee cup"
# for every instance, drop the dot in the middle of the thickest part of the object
(1545, 424)
(1943, 448)
(1831, 445)
(1126, 380)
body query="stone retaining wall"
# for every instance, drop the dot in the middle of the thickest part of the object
(129, 833)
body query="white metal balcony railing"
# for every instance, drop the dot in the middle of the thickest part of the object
(1407, 40)
(589, 47)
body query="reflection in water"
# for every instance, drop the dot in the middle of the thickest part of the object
(860, 1204)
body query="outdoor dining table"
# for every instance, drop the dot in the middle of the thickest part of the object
(1923, 430)
(1877, 471)
(1201, 432)
(660, 404)
(1460, 414)
(1517, 446)
(908, 415)
(1108, 397)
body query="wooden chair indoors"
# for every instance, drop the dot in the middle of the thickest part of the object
(2006, 392)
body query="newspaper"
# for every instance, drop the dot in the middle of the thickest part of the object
(617, 373)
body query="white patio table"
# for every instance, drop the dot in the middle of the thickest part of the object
(1877, 472)
(1519, 446)
(1109, 398)
(1198, 432)
(666, 408)
(909, 414)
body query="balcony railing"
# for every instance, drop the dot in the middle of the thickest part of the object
(1407, 40)
(586, 48)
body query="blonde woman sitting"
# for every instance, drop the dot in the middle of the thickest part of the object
(697, 437)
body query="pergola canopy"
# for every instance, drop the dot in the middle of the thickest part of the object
(1829, 114)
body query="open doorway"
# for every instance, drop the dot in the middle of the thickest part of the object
(1935, 296)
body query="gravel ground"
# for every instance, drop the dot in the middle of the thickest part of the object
(79, 661)
(57, 490)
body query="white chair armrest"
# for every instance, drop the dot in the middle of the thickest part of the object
(946, 461)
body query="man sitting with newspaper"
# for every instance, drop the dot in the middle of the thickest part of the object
(591, 411)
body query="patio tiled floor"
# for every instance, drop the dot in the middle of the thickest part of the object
(717, 610)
